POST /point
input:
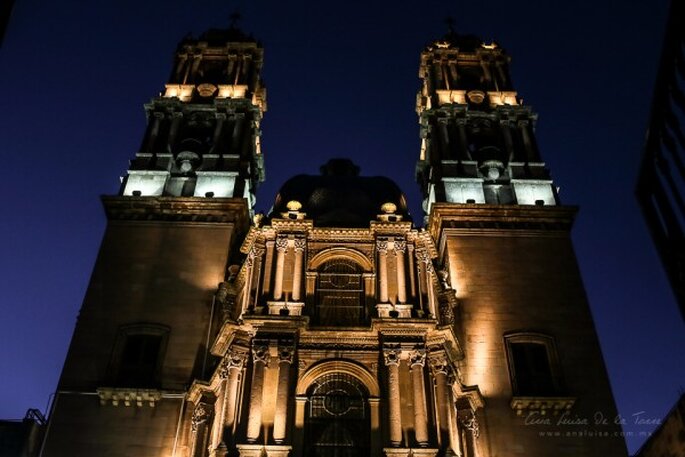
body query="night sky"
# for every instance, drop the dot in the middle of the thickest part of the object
(341, 79)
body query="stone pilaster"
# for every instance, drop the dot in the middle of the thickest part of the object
(260, 359)
(300, 244)
(285, 360)
(382, 248)
(281, 250)
(417, 361)
(391, 356)
(443, 376)
(400, 249)
(198, 426)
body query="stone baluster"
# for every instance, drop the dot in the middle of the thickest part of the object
(281, 249)
(400, 249)
(300, 244)
(391, 356)
(260, 359)
(417, 360)
(382, 248)
(285, 360)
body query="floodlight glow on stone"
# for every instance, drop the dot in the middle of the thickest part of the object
(389, 208)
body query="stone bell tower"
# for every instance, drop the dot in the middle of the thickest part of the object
(203, 135)
(503, 239)
(149, 313)
(477, 140)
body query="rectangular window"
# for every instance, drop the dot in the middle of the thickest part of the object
(137, 356)
(533, 365)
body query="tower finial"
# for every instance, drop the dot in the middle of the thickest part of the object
(234, 17)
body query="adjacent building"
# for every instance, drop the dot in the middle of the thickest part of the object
(661, 182)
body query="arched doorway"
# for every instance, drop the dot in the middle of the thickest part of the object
(337, 417)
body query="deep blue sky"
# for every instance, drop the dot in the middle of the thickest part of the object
(341, 81)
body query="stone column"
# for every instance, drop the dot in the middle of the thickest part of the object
(382, 248)
(391, 356)
(300, 244)
(504, 84)
(298, 434)
(412, 274)
(485, 65)
(157, 119)
(268, 267)
(260, 358)
(256, 276)
(218, 132)
(197, 58)
(442, 376)
(198, 427)
(529, 145)
(505, 125)
(400, 249)
(247, 295)
(231, 367)
(281, 249)
(417, 359)
(176, 118)
(427, 264)
(181, 64)
(463, 140)
(446, 152)
(285, 359)
(374, 413)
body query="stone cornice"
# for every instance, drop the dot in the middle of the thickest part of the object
(483, 219)
(178, 209)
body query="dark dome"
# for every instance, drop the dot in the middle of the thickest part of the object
(340, 197)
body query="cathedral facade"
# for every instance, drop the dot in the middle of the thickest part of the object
(333, 326)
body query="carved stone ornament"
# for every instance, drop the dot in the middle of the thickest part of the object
(300, 244)
(260, 353)
(446, 312)
(201, 415)
(439, 364)
(233, 359)
(382, 245)
(286, 353)
(400, 246)
(282, 244)
(391, 356)
(423, 257)
(471, 424)
(206, 89)
(444, 276)
(417, 357)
